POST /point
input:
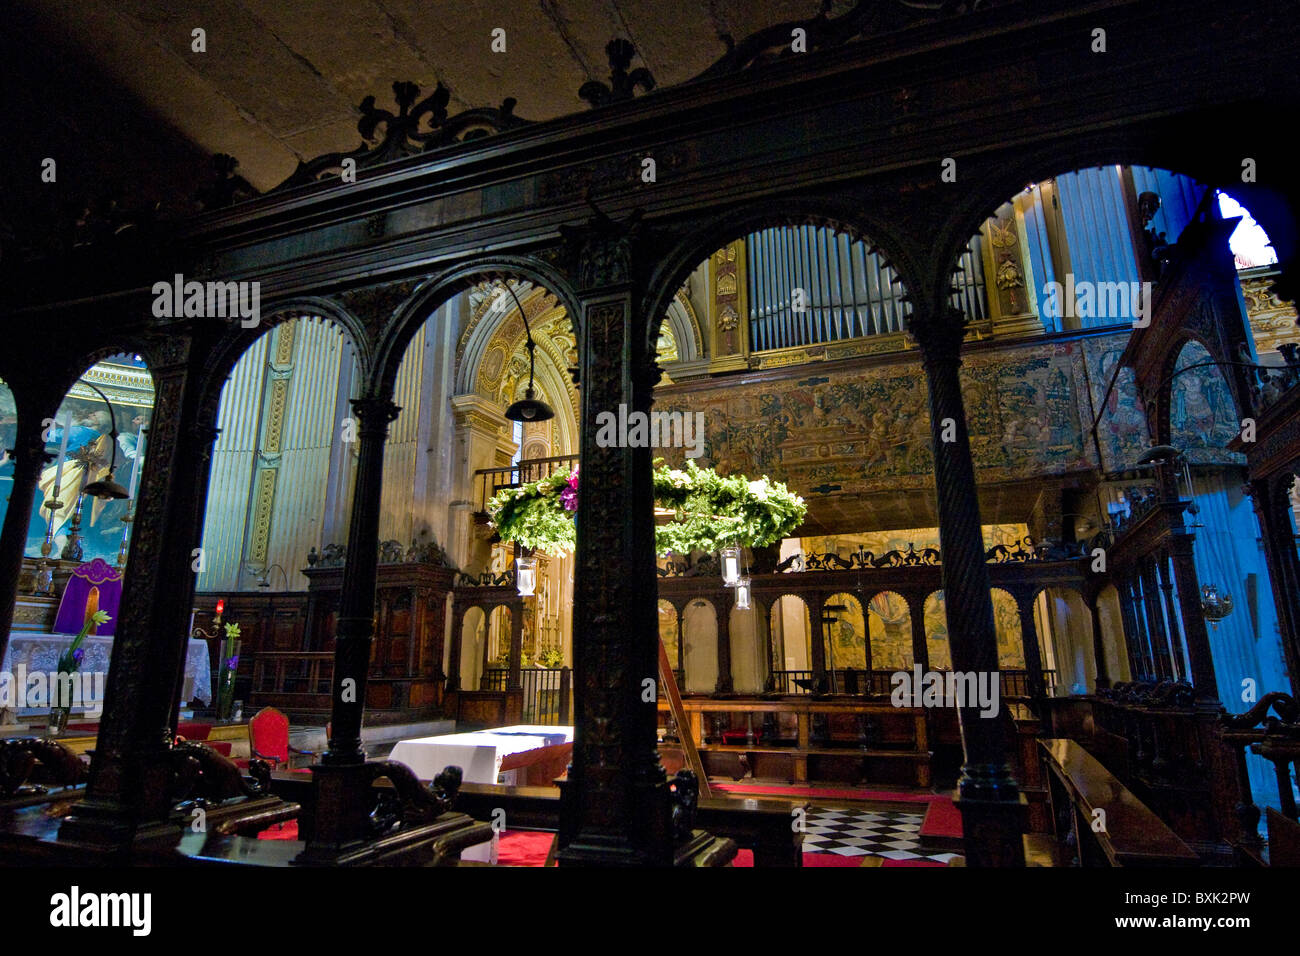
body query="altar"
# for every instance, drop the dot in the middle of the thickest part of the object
(486, 756)
(40, 652)
(503, 755)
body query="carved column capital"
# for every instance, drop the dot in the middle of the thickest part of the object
(604, 251)
(374, 415)
(939, 333)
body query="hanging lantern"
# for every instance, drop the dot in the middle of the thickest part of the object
(742, 592)
(1215, 606)
(526, 576)
(730, 556)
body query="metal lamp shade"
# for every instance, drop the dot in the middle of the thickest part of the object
(526, 576)
(730, 557)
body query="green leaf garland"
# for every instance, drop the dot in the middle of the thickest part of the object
(712, 511)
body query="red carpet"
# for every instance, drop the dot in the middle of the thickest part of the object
(746, 858)
(523, 847)
(282, 831)
(911, 863)
(942, 824)
(829, 793)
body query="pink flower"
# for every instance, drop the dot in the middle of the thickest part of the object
(569, 495)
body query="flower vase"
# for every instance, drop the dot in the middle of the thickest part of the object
(225, 695)
(58, 721)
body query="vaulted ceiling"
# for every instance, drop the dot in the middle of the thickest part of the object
(280, 80)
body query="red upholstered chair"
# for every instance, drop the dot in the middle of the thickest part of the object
(191, 730)
(268, 739)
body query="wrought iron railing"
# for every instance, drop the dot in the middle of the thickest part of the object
(546, 691)
(488, 481)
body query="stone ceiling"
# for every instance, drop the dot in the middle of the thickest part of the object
(280, 80)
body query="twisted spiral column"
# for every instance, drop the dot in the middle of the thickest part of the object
(990, 799)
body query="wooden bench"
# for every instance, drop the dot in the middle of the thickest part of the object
(1130, 834)
(791, 758)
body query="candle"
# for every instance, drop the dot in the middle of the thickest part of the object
(221, 606)
(63, 454)
(135, 466)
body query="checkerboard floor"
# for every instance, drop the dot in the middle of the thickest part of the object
(891, 834)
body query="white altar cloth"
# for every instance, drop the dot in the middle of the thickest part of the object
(479, 755)
(40, 652)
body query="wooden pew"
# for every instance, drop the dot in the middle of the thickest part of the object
(1132, 834)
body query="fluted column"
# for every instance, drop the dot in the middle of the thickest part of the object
(1273, 510)
(29, 459)
(989, 797)
(355, 628)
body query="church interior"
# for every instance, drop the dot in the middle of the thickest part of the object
(710, 434)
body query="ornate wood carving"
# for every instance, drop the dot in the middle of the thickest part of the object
(417, 127)
(622, 84)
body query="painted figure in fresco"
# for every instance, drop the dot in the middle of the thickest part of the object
(8, 431)
(1193, 411)
(88, 457)
(1123, 416)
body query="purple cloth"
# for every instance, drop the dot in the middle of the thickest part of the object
(72, 609)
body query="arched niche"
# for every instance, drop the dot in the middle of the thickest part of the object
(1006, 621)
(473, 633)
(84, 527)
(497, 639)
(284, 460)
(936, 633)
(700, 640)
(747, 636)
(1070, 650)
(680, 335)
(753, 259)
(1202, 416)
(492, 358)
(1112, 635)
(890, 625)
(668, 633)
(845, 640)
(790, 641)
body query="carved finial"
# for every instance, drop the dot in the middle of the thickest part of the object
(622, 84)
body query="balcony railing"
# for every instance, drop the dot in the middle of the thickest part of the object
(488, 481)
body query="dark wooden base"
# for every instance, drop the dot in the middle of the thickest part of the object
(439, 843)
(704, 849)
